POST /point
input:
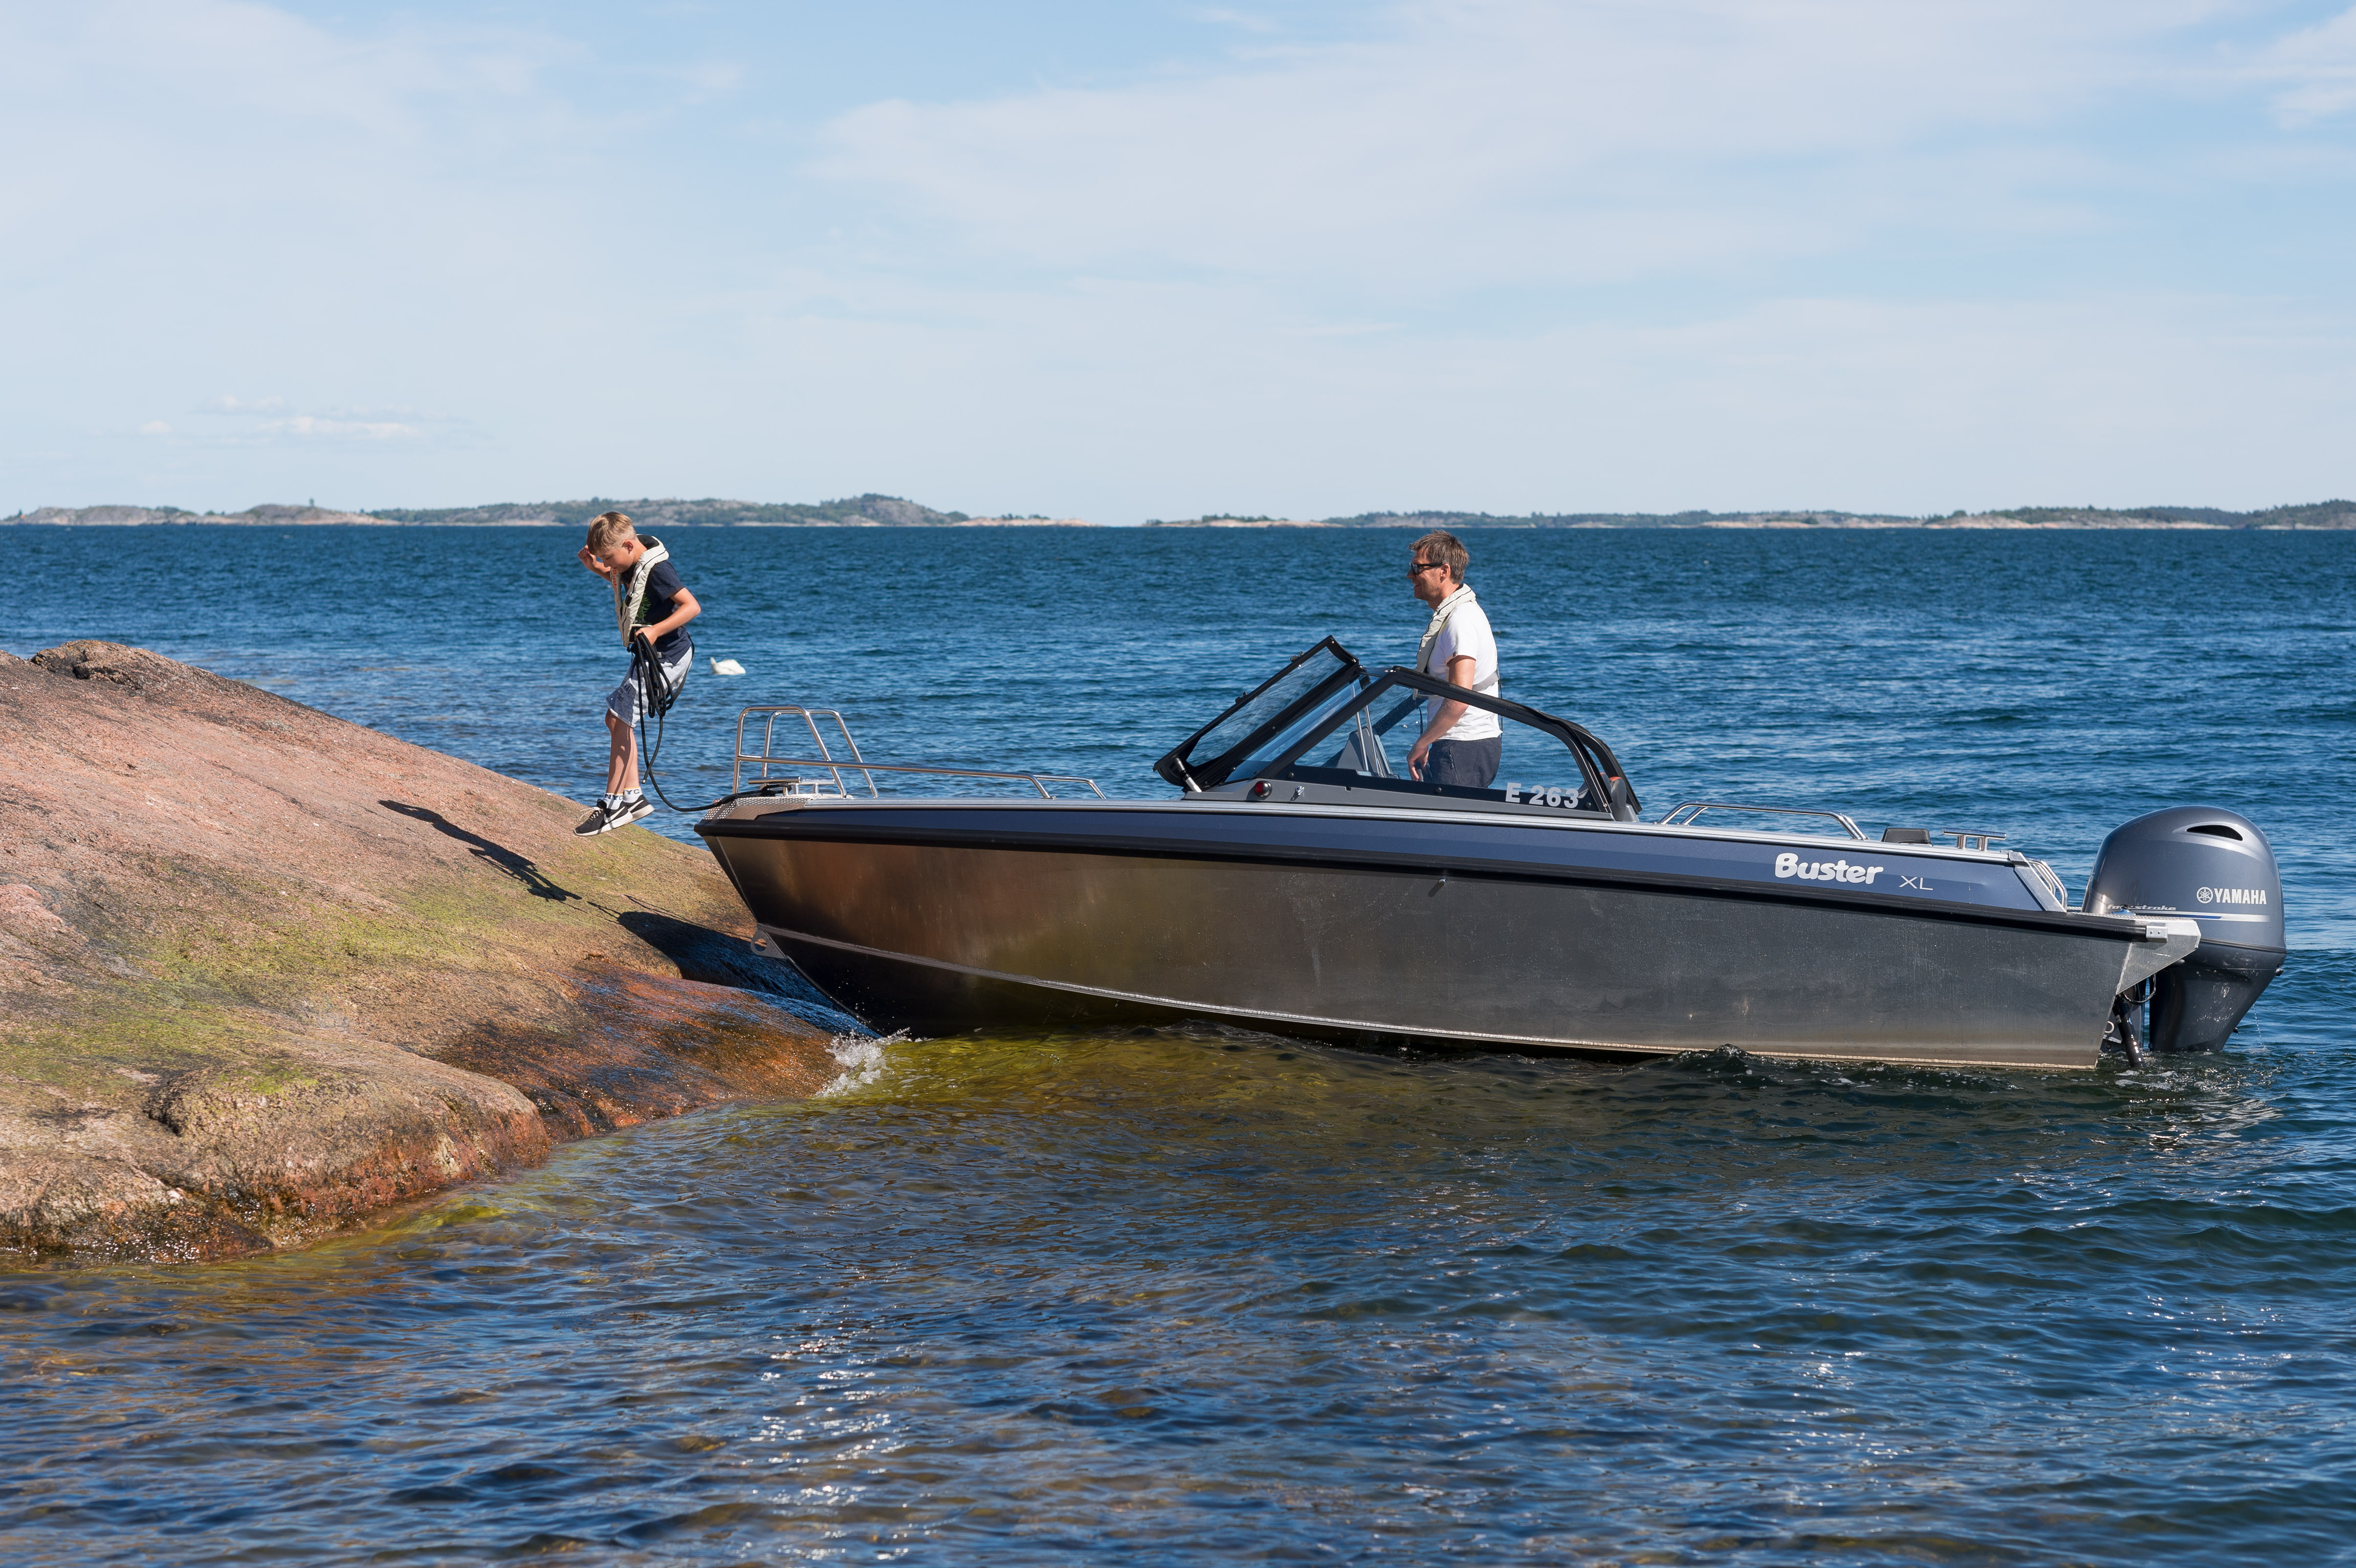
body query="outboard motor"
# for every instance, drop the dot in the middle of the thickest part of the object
(2216, 867)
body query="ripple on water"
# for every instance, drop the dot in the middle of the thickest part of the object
(1192, 1293)
(1189, 1295)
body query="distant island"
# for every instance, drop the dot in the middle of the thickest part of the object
(892, 512)
(2334, 514)
(857, 511)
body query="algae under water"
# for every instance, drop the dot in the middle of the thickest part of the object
(1193, 1295)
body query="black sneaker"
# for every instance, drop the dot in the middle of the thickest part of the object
(605, 819)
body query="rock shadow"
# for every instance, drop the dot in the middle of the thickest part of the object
(716, 958)
(497, 855)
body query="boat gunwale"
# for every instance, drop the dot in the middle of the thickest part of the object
(1556, 819)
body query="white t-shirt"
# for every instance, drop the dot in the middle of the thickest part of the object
(1466, 636)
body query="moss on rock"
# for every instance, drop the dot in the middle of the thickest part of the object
(264, 973)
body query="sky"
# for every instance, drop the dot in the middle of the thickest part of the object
(1127, 260)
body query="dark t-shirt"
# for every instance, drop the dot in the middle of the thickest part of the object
(663, 588)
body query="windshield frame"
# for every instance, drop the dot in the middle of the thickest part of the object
(1598, 768)
(1179, 769)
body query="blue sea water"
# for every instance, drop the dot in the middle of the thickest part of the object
(1190, 1296)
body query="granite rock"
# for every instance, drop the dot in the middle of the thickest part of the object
(265, 973)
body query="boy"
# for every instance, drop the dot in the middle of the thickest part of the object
(650, 602)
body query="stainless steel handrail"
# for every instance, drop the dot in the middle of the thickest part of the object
(768, 758)
(2052, 881)
(1699, 807)
(767, 755)
(1038, 781)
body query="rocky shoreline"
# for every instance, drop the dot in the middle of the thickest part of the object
(265, 973)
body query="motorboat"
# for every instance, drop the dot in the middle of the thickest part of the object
(1299, 880)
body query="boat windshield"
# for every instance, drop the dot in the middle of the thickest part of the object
(1303, 690)
(1324, 718)
(1274, 744)
(1364, 737)
(1361, 746)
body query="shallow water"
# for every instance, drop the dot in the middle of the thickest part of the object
(1193, 1296)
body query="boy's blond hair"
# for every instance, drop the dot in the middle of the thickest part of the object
(609, 530)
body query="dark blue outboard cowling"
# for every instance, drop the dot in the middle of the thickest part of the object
(2216, 867)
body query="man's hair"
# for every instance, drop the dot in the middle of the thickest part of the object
(611, 525)
(1445, 548)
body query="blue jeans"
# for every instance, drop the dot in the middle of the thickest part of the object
(1471, 763)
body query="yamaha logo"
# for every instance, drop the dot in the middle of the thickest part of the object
(2231, 896)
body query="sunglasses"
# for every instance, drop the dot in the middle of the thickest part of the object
(1417, 568)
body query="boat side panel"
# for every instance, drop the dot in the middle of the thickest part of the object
(1415, 954)
(1883, 874)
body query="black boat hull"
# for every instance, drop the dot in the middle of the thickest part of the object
(937, 918)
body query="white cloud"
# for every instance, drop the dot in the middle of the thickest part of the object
(708, 79)
(1490, 141)
(269, 109)
(231, 421)
(1243, 21)
(2319, 64)
(312, 427)
(408, 415)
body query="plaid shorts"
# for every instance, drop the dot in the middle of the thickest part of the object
(628, 704)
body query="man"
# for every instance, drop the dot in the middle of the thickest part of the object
(1459, 744)
(650, 604)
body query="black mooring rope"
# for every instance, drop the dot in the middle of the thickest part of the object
(655, 696)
